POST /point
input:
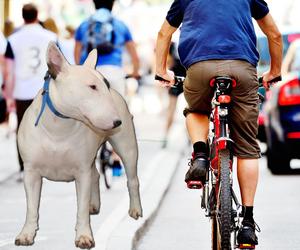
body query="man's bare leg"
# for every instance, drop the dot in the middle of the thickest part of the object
(247, 171)
(197, 126)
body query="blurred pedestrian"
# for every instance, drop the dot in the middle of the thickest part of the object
(50, 24)
(26, 63)
(66, 45)
(110, 36)
(174, 65)
(291, 62)
(3, 44)
(9, 28)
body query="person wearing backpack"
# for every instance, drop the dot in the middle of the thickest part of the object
(109, 36)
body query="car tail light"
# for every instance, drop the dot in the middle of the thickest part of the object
(290, 93)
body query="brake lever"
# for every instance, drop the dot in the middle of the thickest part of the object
(274, 80)
(159, 78)
(261, 97)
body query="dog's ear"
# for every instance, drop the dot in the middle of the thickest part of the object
(55, 60)
(91, 60)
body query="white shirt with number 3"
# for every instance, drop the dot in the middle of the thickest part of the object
(29, 46)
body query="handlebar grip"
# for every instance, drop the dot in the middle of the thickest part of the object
(261, 97)
(159, 78)
(276, 79)
(131, 76)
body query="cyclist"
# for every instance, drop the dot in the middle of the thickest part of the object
(25, 57)
(218, 38)
(115, 33)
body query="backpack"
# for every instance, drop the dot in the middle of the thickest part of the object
(100, 36)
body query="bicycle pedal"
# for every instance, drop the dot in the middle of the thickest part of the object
(246, 246)
(194, 184)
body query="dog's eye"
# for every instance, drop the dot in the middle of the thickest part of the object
(93, 87)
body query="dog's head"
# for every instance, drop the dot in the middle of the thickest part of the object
(81, 92)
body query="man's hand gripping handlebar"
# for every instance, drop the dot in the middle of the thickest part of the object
(178, 82)
(267, 85)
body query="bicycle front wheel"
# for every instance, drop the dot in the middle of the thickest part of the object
(224, 200)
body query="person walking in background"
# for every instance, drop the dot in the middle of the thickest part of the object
(291, 62)
(8, 28)
(110, 36)
(25, 59)
(67, 44)
(174, 65)
(3, 43)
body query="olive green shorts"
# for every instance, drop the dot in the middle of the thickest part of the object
(243, 112)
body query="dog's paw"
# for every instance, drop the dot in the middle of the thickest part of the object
(94, 209)
(85, 242)
(24, 240)
(135, 213)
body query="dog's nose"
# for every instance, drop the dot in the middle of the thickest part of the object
(117, 123)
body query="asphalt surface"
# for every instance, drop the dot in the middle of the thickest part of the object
(58, 200)
(180, 223)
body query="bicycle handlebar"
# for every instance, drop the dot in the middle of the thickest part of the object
(178, 81)
(260, 81)
(274, 80)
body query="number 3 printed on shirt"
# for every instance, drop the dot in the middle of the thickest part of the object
(35, 61)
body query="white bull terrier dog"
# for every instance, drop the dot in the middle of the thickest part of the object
(62, 149)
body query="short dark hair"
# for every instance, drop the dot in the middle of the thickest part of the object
(29, 13)
(107, 4)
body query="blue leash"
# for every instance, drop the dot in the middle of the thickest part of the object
(47, 101)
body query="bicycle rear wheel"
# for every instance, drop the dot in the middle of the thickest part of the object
(215, 236)
(224, 200)
(105, 166)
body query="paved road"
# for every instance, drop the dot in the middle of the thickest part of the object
(180, 224)
(58, 202)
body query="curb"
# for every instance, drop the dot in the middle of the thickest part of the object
(9, 164)
(119, 231)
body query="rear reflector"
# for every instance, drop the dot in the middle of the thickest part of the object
(224, 99)
(293, 135)
(290, 93)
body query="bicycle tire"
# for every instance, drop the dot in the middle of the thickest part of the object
(225, 201)
(215, 238)
(105, 166)
(104, 170)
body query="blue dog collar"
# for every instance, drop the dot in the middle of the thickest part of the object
(47, 101)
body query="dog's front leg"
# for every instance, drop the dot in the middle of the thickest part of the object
(125, 145)
(84, 238)
(95, 191)
(33, 185)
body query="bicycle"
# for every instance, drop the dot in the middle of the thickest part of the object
(106, 162)
(218, 200)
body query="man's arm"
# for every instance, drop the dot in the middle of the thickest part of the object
(1, 65)
(77, 51)
(131, 48)
(269, 28)
(9, 77)
(163, 42)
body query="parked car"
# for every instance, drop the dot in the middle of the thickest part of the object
(288, 36)
(282, 123)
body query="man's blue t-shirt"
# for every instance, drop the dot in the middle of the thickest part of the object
(122, 36)
(216, 29)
